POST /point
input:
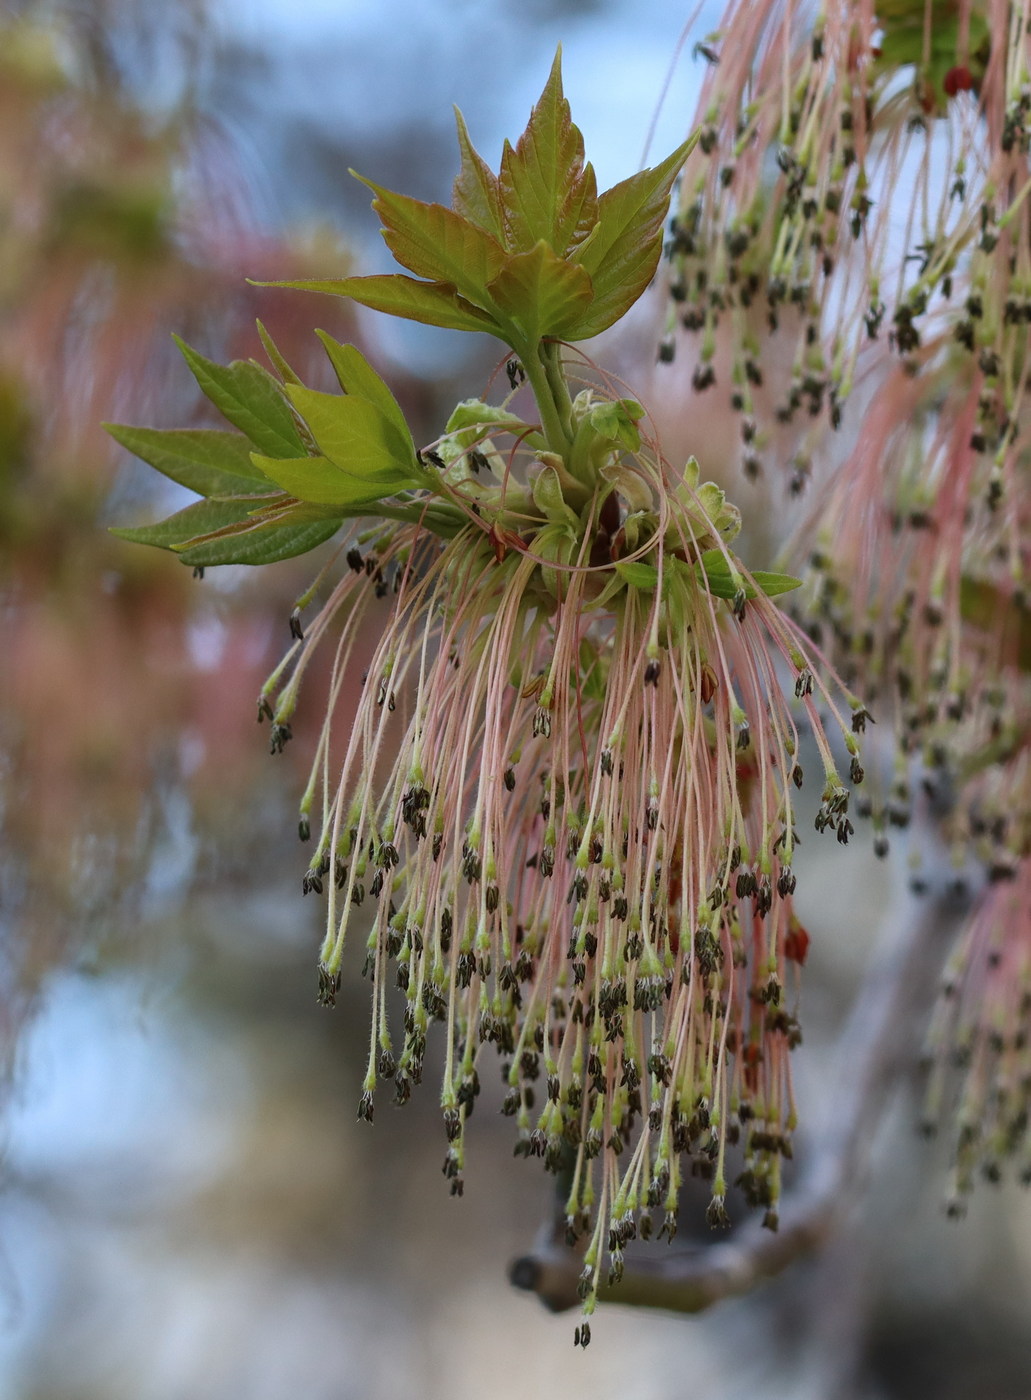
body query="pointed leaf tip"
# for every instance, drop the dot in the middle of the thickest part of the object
(249, 398)
(546, 191)
(476, 194)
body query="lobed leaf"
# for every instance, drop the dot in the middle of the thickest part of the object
(437, 243)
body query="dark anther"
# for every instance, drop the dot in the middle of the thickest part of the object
(279, 738)
(329, 985)
(859, 719)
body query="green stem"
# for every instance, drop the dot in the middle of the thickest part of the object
(443, 520)
(551, 355)
(544, 372)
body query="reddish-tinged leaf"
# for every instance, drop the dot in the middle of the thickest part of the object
(624, 250)
(542, 293)
(431, 303)
(633, 211)
(580, 213)
(476, 194)
(546, 192)
(615, 296)
(437, 243)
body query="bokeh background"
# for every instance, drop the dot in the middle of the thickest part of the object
(188, 1206)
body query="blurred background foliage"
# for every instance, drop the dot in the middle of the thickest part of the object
(127, 728)
(190, 1208)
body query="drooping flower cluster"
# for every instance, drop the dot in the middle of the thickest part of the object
(859, 198)
(979, 1035)
(567, 797)
(563, 816)
(841, 181)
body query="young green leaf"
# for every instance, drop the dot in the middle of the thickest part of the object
(262, 542)
(546, 191)
(201, 518)
(479, 417)
(207, 461)
(615, 420)
(431, 303)
(356, 376)
(250, 399)
(272, 350)
(541, 293)
(637, 574)
(320, 482)
(712, 568)
(356, 436)
(772, 584)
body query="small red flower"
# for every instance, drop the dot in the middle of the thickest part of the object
(958, 79)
